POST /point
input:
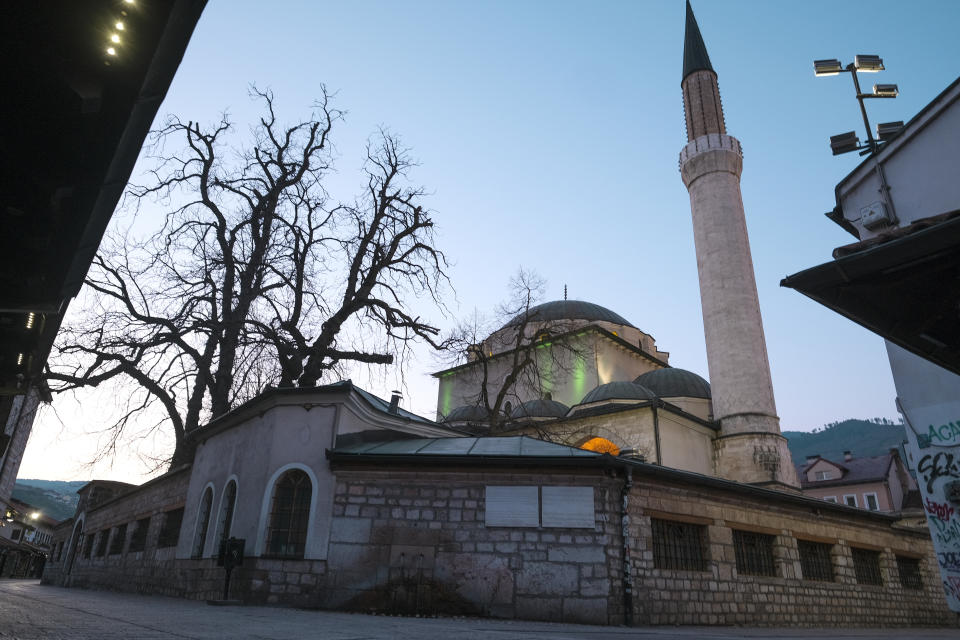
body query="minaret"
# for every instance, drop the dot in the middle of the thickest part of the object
(750, 447)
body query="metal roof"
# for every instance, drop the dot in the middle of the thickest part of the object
(674, 383)
(509, 446)
(568, 310)
(904, 287)
(695, 56)
(618, 390)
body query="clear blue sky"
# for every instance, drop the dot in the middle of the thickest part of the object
(548, 134)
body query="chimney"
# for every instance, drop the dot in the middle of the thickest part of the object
(847, 456)
(395, 402)
(813, 458)
(632, 454)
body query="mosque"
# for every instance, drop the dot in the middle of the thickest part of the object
(606, 488)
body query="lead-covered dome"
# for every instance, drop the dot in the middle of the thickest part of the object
(568, 310)
(674, 383)
(467, 413)
(541, 408)
(623, 390)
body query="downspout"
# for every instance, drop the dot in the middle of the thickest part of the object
(625, 535)
(656, 429)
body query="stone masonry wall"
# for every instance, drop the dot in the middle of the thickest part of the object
(720, 596)
(415, 541)
(153, 570)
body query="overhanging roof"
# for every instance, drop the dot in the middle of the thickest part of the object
(75, 118)
(905, 287)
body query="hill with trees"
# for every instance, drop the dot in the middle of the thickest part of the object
(863, 438)
(55, 498)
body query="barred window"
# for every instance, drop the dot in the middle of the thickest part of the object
(119, 537)
(88, 544)
(170, 529)
(203, 522)
(289, 515)
(102, 543)
(815, 561)
(138, 539)
(866, 565)
(226, 510)
(754, 553)
(678, 545)
(909, 570)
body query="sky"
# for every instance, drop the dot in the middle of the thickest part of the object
(547, 135)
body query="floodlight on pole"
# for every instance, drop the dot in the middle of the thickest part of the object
(886, 130)
(862, 63)
(870, 64)
(885, 90)
(830, 67)
(844, 143)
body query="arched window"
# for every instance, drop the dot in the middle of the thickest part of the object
(203, 522)
(226, 510)
(289, 515)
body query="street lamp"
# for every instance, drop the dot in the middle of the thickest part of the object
(844, 143)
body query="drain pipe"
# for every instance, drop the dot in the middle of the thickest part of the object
(625, 536)
(656, 428)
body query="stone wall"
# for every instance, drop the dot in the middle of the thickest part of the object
(416, 542)
(415, 539)
(721, 596)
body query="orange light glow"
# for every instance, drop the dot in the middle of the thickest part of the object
(601, 445)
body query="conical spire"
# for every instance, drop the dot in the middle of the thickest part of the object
(695, 56)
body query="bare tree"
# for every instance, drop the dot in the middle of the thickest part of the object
(515, 351)
(256, 277)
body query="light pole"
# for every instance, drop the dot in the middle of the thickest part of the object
(846, 142)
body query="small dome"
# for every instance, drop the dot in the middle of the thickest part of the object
(467, 413)
(619, 391)
(568, 310)
(675, 383)
(540, 409)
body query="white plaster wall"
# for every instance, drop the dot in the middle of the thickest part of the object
(253, 452)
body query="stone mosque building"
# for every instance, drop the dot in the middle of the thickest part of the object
(634, 493)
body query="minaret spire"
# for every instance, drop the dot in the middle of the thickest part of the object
(750, 447)
(695, 57)
(701, 95)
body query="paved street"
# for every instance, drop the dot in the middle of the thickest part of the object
(29, 610)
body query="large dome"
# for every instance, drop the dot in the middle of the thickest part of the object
(569, 310)
(621, 390)
(675, 383)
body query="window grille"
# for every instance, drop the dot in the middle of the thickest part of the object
(170, 529)
(754, 553)
(119, 537)
(678, 545)
(102, 543)
(203, 522)
(909, 570)
(138, 539)
(815, 560)
(289, 515)
(866, 566)
(88, 545)
(226, 515)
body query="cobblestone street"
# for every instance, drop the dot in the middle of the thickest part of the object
(31, 611)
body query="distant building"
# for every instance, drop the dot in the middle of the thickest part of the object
(26, 540)
(877, 483)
